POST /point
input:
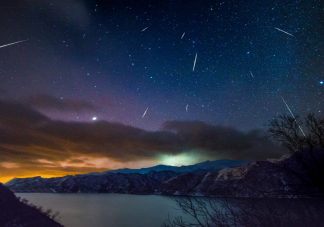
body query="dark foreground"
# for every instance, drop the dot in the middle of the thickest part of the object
(14, 213)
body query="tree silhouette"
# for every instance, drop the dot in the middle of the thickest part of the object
(289, 132)
(305, 141)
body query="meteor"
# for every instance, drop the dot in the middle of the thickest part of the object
(144, 29)
(13, 43)
(193, 69)
(284, 31)
(145, 112)
(187, 108)
(183, 35)
(293, 116)
(251, 74)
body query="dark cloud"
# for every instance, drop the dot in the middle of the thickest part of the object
(58, 140)
(113, 140)
(49, 102)
(227, 142)
(16, 115)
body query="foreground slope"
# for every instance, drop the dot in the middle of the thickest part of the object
(14, 213)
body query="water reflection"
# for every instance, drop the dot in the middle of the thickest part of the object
(243, 212)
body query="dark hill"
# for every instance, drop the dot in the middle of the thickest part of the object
(14, 213)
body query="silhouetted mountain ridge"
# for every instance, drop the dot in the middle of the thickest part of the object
(216, 165)
(280, 178)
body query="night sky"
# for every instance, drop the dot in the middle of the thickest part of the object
(99, 85)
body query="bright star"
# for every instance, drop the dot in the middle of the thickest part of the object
(321, 82)
(94, 118)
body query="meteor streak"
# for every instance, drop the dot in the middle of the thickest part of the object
(284, 31)
(193, 69)
(144, 29)
(293, 116)
(145, 112)
(187, 108)
(183, 35)
(13, 43)
(251, 74)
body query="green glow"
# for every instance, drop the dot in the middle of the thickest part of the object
(187, 158)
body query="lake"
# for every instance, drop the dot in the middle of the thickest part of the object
(102, 210)
(124, 210)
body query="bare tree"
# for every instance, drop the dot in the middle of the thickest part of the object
(288, 131)
(315, 127)
(306, 148)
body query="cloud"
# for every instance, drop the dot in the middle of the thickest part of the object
(225, 142)
(16, 115)
(49, 102)
(34, 141)
(9, 165)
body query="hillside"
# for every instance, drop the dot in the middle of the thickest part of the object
(14, 213)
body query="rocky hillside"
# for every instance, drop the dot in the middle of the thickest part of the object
(14, 213)
(290, 176)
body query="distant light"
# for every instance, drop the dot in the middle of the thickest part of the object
(179, 159)
(94, 118)
(321, 82)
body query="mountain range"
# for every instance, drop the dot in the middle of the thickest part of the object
(283, 177)
(210, 165)
(133, 181)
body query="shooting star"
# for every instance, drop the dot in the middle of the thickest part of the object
(293, 116)
(284, 31)
(183, 35)
(144, 29)
(187, 108)
(145, 112)
(251, 74)
(193, 69)
(13, 43)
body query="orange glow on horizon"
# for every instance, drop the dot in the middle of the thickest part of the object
(58, 173)
(4, 180)
(78, 165)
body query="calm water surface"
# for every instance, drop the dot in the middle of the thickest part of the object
(106, 210)
(122, 210)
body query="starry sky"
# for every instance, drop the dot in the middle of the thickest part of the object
(98, 85)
